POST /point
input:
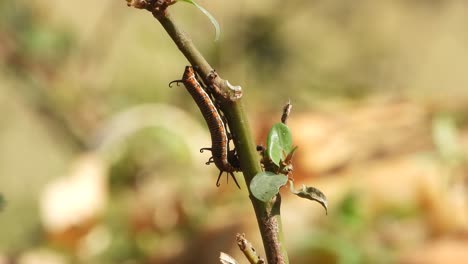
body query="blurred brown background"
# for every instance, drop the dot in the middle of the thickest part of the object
(99, 159)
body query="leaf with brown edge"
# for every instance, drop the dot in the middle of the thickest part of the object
(311, 193)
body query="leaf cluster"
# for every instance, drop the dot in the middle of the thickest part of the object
(278, 168)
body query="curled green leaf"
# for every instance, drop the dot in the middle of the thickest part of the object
(265, 185)
(311, 193)
(210, 17)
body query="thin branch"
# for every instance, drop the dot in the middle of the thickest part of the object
(249, 251)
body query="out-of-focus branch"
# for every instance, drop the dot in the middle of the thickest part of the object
(249, 251)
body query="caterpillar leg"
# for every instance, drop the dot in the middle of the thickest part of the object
(176, 82)
(203, 149)
(219, 177)
(210, 160)
(232, 175)
(234, 178)
(234, 159)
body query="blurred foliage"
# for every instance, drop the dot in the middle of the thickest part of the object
(264, 45)
(33, 43)
(445, 134)
(348, 211)
(347, 235)
(2, 202)
(142, 154)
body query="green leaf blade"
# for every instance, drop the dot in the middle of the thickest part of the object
(210, 17)
(265, 185)
(279, 143)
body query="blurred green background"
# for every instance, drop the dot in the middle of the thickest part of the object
(99, 159)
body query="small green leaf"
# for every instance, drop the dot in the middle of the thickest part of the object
(279, 143)
(311, 193)
(265, 185)
(210, 17)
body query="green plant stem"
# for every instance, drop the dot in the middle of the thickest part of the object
(268, 214)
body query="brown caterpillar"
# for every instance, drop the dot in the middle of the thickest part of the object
(224, 159)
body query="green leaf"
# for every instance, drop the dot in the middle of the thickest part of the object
(210, 17)
(311, 193)
(265, 185)
(279, 143)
